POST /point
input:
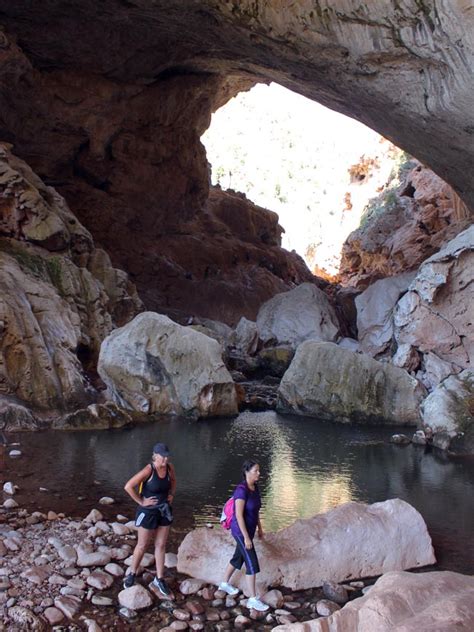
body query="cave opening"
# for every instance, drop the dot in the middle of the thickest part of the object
(316, 168)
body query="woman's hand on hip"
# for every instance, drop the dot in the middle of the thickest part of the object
(149, 502)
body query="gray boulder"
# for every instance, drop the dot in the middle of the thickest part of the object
(154, 365)
(449, 413)
(245, 336)
(326, 381)
(436, 314)
(375, 312)
(304, 313)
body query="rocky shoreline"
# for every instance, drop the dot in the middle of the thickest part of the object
(65, 573)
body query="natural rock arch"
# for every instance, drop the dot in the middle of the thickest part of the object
(107, 103)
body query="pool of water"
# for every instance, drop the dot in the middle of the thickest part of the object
(307, 467)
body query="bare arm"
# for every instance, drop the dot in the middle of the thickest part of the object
(259, 528)
(173, 483)
(134, 482)
(239, 514)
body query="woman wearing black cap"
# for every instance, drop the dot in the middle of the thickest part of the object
(153, 489)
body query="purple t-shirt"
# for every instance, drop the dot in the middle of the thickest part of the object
(251, 509)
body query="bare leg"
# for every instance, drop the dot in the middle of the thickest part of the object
(251, 582)
(144, 537)
(229, 571)
(160, 548)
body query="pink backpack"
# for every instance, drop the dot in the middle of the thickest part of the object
(227, 513)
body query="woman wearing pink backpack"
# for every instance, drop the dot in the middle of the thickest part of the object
(245, 522)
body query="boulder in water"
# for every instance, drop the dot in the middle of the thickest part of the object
(331, 383)
(154, 365)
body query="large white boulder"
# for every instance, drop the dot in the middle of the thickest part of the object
(436, 314)
(304, 313)
(449, 412)
(351, 541)
(332, 383)
(375, 312)
(154, 365)
(403, 602)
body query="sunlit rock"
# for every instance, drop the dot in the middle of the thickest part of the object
(449, 413)
(375, 312)
(435, 315)
(155, 365)
(331, 383)
(358, 541)
(304, 313)
(412, 602)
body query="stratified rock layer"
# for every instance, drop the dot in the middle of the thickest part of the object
(351, 541)
(154, 365)
(329, 382)
(403, 602)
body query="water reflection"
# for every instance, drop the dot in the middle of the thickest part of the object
(307, 467)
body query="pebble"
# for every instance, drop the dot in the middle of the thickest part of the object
(335, 592)
(9, 488)
(14, 453)
(10, 503)
(191, 586)
(326, 608)
(53, 615)
(100, 600)
(181, 615)
(106, 500)
(179, 625)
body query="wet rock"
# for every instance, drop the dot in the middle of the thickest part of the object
(331, 383)
(335, 592)
(181, 372)
(325, 607)
(400, 439)
(419, 438)
(275, 361)
(135, 598)
(304, 313)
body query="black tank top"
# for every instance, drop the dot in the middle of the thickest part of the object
(156, 486)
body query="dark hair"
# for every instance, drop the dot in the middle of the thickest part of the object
(247, 466)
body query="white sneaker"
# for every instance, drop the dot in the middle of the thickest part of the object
(255, 604)
(228, 588)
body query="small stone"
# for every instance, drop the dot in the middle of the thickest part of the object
(256, 615)
(5, 583)
(9, 488)
(171, 560)
(100, 580)
(52, 515)
(191, 586)
(69, 605)
(93, 516)
(135, 598)
(400, 439)
(179, 625)
(213, 615)
(100, 600)
(127, 613)
(357, 585)
(53, 615)
(121, 518)
(196, 626)
(194, 607)
(26, 619)
(120, 529)
(114, 569)
(14, 453)
(335, 592)
(274, 598)
(92, 626)
(419, 438)
(10, 503)
(57, 580)
(230, 602)
(106, 500)
(286, 619)
(242, 622)
(292, 605)
(37, 575)
(181, 615)
(326, 608)
(86, 556)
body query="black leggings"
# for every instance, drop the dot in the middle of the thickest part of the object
(241, 555)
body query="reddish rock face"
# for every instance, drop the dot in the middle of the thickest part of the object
(412, 223)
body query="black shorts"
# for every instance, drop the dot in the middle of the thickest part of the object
(161, 516)
(241, 555)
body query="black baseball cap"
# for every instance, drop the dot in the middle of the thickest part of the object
(161, 449)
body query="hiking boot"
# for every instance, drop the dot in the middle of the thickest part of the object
(129, 580)
(162, 587)
(228, 588)
(255, 604)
